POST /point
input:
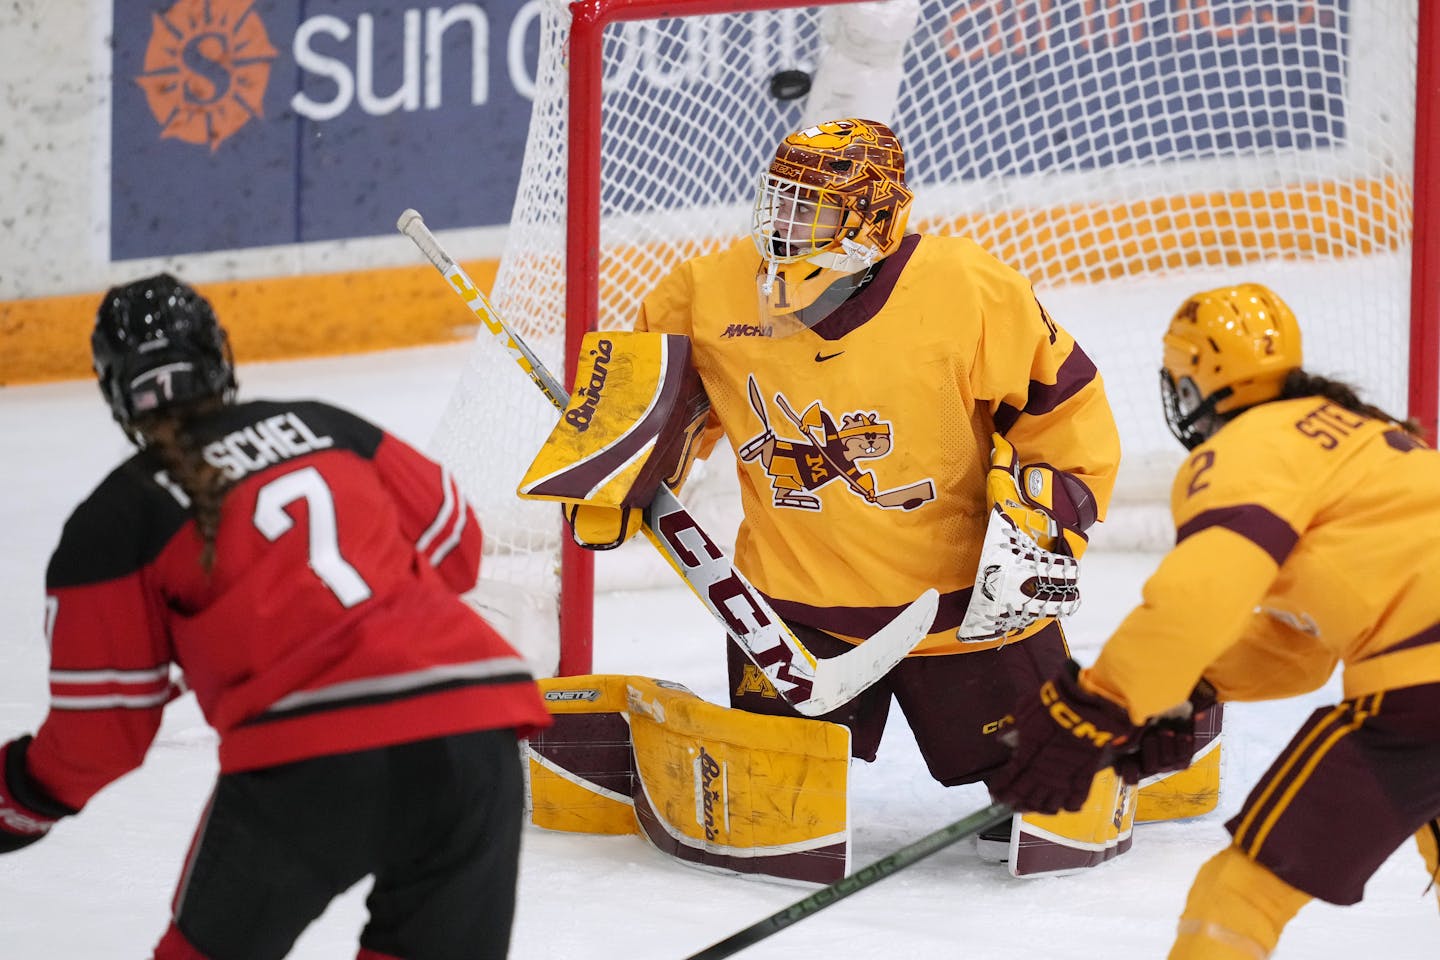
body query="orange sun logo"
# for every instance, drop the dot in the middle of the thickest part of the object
(206, 69)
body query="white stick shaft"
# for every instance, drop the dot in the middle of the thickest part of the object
(413, 226)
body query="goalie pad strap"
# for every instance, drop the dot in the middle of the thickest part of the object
(632, 423)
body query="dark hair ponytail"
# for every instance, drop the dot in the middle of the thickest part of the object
(168, 437)
(1299, 383)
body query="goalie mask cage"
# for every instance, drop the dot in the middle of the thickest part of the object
(1120, 154)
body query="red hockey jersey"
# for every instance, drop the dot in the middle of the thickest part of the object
(329, 622)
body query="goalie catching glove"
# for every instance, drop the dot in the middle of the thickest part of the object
(1047, 505)
(633, 423)
(1028, 567)
(27, 812)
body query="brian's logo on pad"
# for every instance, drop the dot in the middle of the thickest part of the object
(206, 69)
(710, 805)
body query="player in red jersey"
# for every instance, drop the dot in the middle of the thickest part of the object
(303, 568)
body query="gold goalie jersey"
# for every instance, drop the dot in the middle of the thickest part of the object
(863, 442)
(1306, 536)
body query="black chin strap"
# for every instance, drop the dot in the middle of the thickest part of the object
(1206, 408)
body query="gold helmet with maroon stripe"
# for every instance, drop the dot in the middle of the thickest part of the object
(1225, 351)
(832, 203)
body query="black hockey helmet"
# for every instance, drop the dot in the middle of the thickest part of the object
(157, 343)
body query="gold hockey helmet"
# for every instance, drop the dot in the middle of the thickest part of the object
(832, 203)
(1226, 350)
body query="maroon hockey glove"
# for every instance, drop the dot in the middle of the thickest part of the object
(1163, 746)
(26, 812)
(1062, 737)
(1167, 744)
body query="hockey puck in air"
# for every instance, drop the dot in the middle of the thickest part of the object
(789, 84)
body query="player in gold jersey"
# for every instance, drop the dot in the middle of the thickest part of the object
(861, 372)
(1307, 524)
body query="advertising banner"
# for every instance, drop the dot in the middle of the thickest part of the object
(247, 123)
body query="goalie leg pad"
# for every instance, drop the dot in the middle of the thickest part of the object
(1053, 845)
(1194, 791)
(737, 792)
(581, 769)
(714, 787)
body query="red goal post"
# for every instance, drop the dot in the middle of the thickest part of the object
(1120, 154)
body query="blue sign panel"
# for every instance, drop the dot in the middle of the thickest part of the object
(245, 123)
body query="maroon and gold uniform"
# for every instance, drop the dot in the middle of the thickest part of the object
(942, 348)
(1302, 532)
(863, 443)
(1297, 525)
(1304, 518)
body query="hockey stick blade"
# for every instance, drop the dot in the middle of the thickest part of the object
(906, 856)
(810, 685)
(838, 680)
(810, 688)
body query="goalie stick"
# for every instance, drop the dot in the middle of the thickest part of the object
(812, 686)
(994, 814)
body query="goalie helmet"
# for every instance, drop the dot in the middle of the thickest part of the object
(1225, 351)
(157, 343)
(832, 203)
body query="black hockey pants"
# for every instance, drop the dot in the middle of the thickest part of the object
(436, 822)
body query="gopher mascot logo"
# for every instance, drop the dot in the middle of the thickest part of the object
(828, 452)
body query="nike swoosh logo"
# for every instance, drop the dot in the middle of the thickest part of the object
(822, 357)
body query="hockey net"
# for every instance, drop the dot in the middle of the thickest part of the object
(1121, 155)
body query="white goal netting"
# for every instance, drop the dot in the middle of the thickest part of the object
(1120, 154)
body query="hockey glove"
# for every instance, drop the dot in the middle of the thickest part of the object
(26, 812)
(1028, 569)
(1062, 737)
(1166, 744)
(1049, 506)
